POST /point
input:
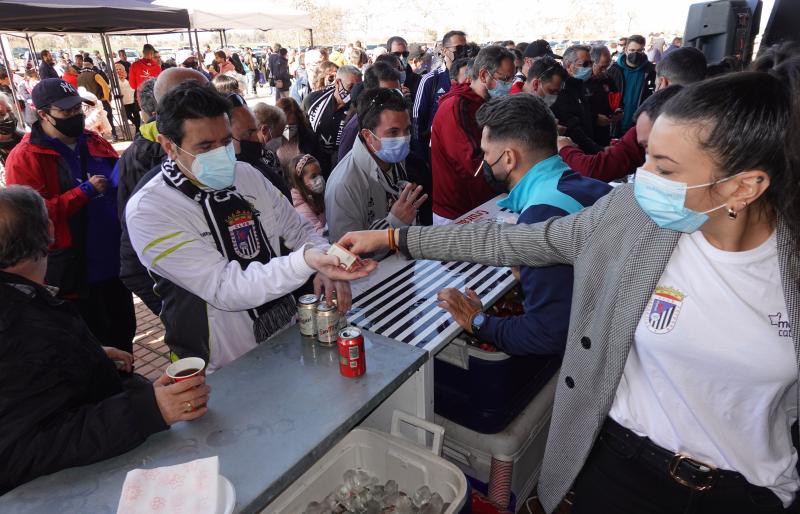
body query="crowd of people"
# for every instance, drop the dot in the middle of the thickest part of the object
(219, 214)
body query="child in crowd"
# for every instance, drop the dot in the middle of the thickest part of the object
(308, 190)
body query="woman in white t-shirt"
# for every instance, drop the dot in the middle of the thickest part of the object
(678, 387)
(128, 96)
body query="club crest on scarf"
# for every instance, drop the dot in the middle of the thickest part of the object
(665, 305)
(242, 229)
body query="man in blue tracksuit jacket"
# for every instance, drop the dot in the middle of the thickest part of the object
(520, 155)
(431, 88)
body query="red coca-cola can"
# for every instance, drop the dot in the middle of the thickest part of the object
(352, 361)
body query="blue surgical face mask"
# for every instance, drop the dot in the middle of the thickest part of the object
(393, 149)
(583, 74)
(664, 201)
(501, 88)
(215, 168)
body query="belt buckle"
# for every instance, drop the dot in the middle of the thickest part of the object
(675, 463)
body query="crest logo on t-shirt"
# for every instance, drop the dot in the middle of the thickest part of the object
(242, 229)
(665, 305)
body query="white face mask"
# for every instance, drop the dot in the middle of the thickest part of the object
(318, 185)
(290, 131)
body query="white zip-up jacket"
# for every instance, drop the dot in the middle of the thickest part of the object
(205, 296)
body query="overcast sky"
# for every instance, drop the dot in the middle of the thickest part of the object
(516, 19)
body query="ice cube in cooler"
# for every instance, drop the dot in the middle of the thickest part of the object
(391, 487)
(437, 503)
(421, 496)
(404, 505)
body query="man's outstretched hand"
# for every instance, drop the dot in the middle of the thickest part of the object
(329, 265)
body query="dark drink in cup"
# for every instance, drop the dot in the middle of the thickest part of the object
(183, 369)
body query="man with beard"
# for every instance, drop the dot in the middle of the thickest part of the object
(634, 76)
(519, 147)
(46, 68)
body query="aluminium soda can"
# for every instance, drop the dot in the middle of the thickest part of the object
(307, 314)
(352, 360)
(328, 320)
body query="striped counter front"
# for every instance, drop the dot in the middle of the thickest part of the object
(399, 300)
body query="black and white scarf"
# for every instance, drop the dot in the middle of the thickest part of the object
(321, 107)
(240, 237)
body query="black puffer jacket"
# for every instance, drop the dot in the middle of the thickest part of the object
(132, 272)
(62, 402)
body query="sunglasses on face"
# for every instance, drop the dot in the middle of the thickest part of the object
(401, 54)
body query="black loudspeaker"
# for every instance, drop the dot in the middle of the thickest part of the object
(783, 24)
(723, 28)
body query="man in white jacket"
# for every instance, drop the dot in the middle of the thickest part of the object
(209, 230)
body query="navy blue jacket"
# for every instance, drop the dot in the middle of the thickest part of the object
(542, 329)
(431, 88)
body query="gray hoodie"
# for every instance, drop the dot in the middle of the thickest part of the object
(359, 195)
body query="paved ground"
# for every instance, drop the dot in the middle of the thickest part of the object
(149, 350)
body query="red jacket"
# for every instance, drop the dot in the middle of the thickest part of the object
(616, 161)
(43, 169)
(72, 79)
(141, 71)
(456, 154)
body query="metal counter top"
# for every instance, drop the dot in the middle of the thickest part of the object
(272, 414)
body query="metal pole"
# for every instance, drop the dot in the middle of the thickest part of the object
(116, 92)
(197, 40)
(14, 95)
(191, 43)
(221, 42)
(32, 48)
(311, 36)
(69, 47)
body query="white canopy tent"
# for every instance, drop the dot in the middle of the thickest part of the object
(211, 15)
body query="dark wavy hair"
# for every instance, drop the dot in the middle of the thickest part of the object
(188, 101)
(752, 123)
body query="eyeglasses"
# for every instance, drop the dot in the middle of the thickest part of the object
(401, 54)
(585, 64)
(69, 112)
(236, 100)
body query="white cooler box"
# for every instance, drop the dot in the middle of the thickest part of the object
(389, 457)
(517, 451)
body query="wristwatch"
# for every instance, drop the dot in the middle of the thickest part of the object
(478, 321)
